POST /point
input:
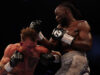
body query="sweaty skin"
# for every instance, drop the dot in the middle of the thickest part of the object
(80, 30)
(73, 60)
(26, 67)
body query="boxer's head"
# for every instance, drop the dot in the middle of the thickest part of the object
(60, 13)
(28, 38)
(64, 12)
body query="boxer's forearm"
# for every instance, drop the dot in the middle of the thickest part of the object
(45, 43)
(50, 44)
(82, 45)
(83, 41)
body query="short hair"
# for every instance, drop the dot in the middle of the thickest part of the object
(28, 32)
(76, 13)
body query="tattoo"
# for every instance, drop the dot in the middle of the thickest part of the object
(32, 61)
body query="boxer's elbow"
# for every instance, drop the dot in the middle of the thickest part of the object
(82, 45)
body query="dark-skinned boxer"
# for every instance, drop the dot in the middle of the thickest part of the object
(74, 39)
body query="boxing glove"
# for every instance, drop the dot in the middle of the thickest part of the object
(49, 58)
(15, 59)
(62, 35)
(57, 33)
(36, 25)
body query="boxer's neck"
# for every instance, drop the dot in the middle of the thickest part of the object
(70, 19)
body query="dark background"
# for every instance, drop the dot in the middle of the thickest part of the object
(17, 14)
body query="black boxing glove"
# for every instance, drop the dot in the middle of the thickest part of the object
(49, 58)
(46, 59)
(15, 59)
(61, 35)
(36, 25)
(57, 33)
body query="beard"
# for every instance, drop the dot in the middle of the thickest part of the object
(63, 21)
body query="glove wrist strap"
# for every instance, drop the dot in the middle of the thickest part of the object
(8, 67)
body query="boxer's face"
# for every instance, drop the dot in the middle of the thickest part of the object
(60, 14)
(29, 44)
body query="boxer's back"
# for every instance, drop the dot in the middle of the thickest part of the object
(31, 58)
(27, 66)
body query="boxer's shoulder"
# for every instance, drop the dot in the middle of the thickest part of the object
(10, 49)
(41, 49)
(13, 46)
(83, 24)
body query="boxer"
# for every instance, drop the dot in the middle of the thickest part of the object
(73, 38)
(46, 60)
(21, 58)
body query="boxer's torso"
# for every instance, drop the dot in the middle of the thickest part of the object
(73, 29)
(26, 67)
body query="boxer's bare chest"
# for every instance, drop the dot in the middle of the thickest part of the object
(72, 29)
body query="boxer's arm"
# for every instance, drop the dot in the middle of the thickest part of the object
(84, 40)
(50, 44)
(10, 59)
(41, 49)
(4, 60)
(45, 43)
(2, 69)
(36, 25)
